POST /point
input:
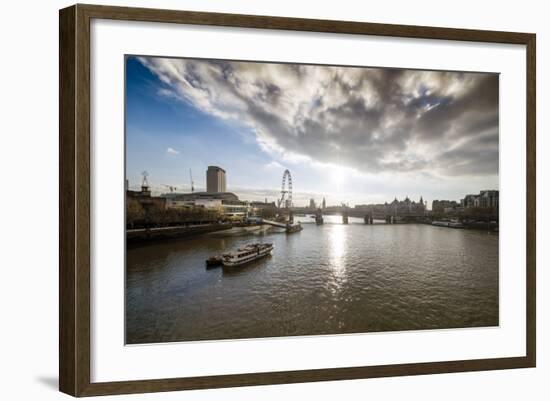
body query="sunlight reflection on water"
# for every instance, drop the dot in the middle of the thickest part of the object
(337, 245)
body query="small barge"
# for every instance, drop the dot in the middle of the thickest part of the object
(450, 224)
(214, 261)
(293, 228)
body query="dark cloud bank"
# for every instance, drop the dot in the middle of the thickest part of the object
(371, 119)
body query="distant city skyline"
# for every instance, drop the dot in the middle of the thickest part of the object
(350, 135)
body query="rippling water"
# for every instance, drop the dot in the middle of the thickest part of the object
(325, 279)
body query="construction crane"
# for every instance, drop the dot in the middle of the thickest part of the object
(192, 183)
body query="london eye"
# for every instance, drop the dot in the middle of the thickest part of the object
(286, 191)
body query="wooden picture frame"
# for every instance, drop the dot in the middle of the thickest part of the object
(74, 204)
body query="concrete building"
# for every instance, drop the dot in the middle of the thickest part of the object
(260, 208)
(227, 202)
(487, 199)
(440, 206)
(215, 179)
(204, 203)
(312, 203)
(470, 201)
(262, 205)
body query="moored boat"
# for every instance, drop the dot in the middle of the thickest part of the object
(450, 224)
(293, 228)
(246, 254)
(214, 261)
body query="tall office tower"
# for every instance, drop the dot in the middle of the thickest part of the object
(215, 179)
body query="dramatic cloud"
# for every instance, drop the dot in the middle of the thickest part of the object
(370, 119)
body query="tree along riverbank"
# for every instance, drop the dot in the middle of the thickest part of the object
(140, 235)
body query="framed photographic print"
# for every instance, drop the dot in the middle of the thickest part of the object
(251, 200)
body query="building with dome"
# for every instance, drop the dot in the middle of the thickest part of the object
(396, 208)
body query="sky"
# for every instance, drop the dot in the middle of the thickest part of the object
(352, 135)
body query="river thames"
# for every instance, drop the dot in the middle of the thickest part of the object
(327, 279)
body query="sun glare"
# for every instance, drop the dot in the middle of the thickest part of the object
(338, 176)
